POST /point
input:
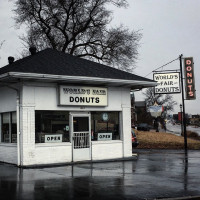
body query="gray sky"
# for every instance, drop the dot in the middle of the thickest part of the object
(169, 28)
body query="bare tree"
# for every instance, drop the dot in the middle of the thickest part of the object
(1, 44)
(78, 27)
(161, 99)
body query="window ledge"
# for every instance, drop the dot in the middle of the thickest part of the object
(53, 144)
(107, 142)
(8, 144)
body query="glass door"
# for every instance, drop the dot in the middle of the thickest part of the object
(81, 137)
(81, 140)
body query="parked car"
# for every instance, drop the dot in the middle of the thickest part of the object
(143, 127)
(135, 143)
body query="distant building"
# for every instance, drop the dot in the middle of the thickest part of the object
(177, 118)
(195, 116)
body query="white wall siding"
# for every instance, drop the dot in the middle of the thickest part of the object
(8, 99)
(44, 96)
(27, 136)
(49, 154)
(8, 153)
(126, 122)
(106, 150)
(46, 99)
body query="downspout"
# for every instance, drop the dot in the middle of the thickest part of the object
(18, 129)
(18, 123)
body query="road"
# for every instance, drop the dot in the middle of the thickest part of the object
(176, 129)
(152, 174)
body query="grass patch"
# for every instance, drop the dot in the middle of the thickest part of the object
(161, 140)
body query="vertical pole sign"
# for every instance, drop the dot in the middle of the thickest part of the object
(183, 104)
(189, 79)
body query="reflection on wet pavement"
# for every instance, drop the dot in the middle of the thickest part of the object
(159, 174)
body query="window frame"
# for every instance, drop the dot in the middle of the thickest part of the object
(10, 115)
(119, 125)
(52, 122)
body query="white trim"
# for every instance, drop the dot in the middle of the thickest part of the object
(8, 144)
(78, 78)
(106, 142)
(4, 75)
(53, 144)
(0, 127)
(18, 131)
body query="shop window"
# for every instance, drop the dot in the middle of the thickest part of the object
(13, 127)
(105, 126)
(51, 126)
(9, 127)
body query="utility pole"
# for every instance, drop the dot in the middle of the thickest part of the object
(183, 104)
(181, 119)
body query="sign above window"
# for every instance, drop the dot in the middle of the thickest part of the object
(82, 96)
(168, 83)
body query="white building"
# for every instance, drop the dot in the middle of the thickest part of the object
(64, 109)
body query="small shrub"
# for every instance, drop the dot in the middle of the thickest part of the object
(192, 134)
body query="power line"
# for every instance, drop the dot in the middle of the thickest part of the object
(162, 66)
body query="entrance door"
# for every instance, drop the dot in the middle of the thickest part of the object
(81, 140)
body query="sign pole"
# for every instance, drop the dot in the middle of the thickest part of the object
(183, 104)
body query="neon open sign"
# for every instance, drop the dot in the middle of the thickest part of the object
(189, 78)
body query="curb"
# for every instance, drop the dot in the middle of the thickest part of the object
(51, 165)
(182, 198)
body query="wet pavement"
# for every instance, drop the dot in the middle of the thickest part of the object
(153, 174)
(176, 129)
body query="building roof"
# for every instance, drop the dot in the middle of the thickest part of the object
(52, 62)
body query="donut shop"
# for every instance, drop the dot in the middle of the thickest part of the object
(56, 108)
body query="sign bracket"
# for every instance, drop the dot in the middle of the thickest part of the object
(173, 70)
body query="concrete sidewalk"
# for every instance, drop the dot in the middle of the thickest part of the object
(155, 174)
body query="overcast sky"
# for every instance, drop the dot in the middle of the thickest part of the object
(169, 28)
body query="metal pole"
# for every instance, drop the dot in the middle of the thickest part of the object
(183, 103)
(181, 119)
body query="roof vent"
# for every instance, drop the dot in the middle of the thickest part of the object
(32, 50)
(11, 59)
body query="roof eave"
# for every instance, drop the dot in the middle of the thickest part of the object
(133, 84)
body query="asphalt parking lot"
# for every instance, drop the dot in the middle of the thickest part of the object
(154, 174)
